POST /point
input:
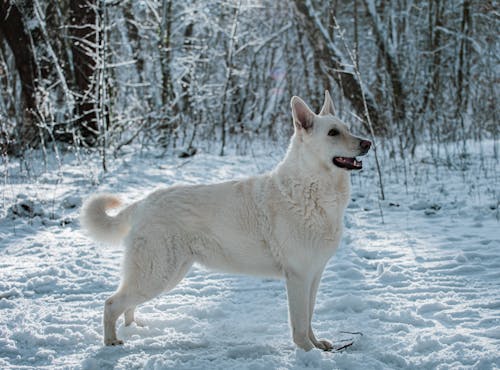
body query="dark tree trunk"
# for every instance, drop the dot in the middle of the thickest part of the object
(169, 108)
(436, 52)
(391, 65)
(463, 59)
(351, 87)
(134, 37)
(167, 93)
(186, 78)
(85, 48)
(20, 42)
(435, 12)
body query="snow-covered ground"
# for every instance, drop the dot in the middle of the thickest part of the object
(418, 274)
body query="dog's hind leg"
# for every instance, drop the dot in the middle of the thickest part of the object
(128, 297)
(113, 308)
(150, 267)
(129, 316)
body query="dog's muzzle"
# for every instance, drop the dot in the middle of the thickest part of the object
(351, 163)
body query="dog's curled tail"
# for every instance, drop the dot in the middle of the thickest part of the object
(101, 226)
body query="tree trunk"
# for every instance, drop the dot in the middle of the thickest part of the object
(390, 62)
(85, 49)
(186, 78)
(134, 37)
(167, 92)
(228, 83)
(13, 28)
(324, 50)
(464, 59)
(168, 108)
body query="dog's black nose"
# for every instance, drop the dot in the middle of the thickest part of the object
(365, 144)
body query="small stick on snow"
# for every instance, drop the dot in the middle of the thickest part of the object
(340, 347)
(352, 332)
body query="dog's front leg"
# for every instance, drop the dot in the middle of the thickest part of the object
(298, 306)
(321, 343)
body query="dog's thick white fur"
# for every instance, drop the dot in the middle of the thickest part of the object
(284, 224)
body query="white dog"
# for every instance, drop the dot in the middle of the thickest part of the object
(285, 224)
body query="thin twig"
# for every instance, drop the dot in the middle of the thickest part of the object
(370, 125)
(352, 332)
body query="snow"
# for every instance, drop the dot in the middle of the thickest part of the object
(418, 274)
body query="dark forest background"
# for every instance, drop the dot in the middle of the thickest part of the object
(220, 74)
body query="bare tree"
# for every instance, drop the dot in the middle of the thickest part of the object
(85, 51)
(22, 46)
(218, 74)
(391, 63)
(228, 83)
(338, 65)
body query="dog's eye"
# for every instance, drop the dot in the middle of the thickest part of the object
(333, 132)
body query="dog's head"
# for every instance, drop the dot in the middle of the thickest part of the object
(325, 137)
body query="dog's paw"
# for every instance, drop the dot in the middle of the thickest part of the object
(304, 343)
(113, 342)
(324, 345)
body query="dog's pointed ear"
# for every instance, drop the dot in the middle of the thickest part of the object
(303, 117)
(328, 107)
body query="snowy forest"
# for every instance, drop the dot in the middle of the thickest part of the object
(126, 97)
(188, 74)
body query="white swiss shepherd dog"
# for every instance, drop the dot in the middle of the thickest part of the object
(284, 224)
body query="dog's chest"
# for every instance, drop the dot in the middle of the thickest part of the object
(317, 219)
(326, 222)
(307, 238)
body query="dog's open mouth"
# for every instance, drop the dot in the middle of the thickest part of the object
(347, 163)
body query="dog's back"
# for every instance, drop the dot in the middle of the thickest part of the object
(225, 226)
